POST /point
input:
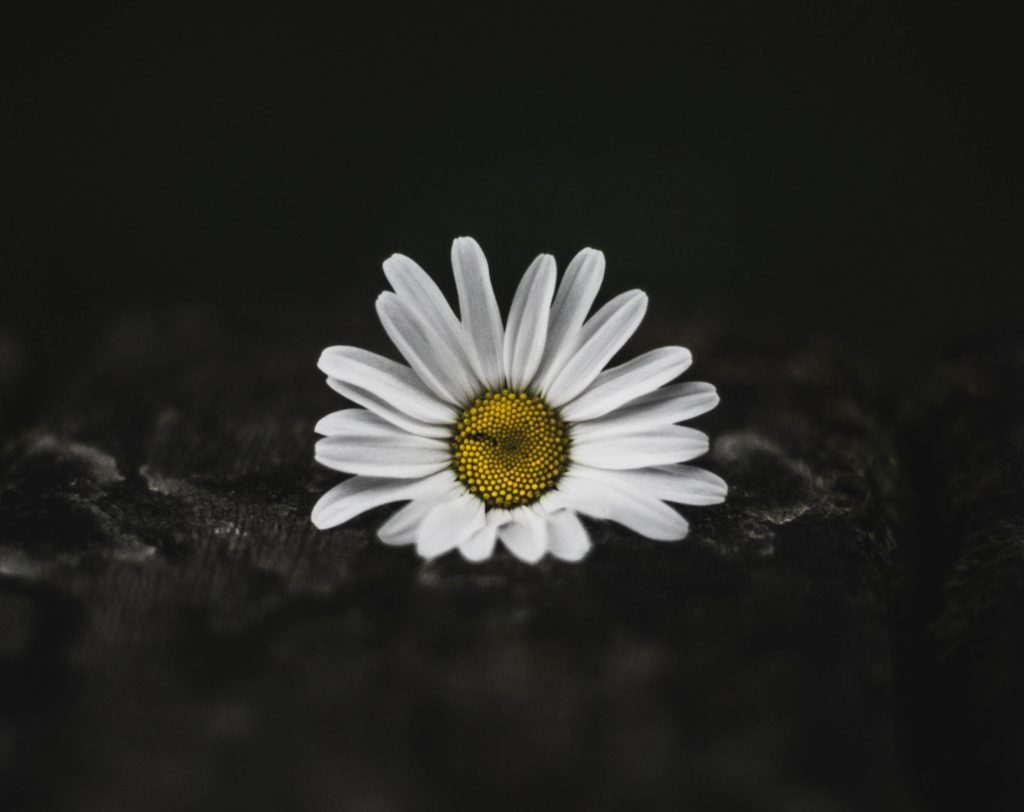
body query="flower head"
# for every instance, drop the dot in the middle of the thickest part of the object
(509, 431)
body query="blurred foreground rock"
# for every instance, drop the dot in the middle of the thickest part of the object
(176, 635)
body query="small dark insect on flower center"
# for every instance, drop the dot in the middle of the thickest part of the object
(509, 448)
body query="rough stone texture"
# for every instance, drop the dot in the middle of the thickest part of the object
(176, 635)
(966, 426)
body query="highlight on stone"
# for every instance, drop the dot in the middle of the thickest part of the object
(510, 429)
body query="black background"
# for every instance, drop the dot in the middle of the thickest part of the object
(846, 169)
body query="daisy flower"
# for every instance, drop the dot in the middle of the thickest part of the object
(509, 431)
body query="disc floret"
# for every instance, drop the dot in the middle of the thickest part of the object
(509, 448)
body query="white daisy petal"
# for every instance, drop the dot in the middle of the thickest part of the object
(670, 404)
(606, 495)
(355, 421)
(552, 502)
(567, 537)
(449, 524)
(478, 307)
(576, 293)
(595, 344)
(640, 449)
(399, 455)
(412, 283)
(527, 326)
(684, 484)
(628, 381)
(357, 495)
(420, 293)
(389, 380)
(525, 535)
(388, 410)
(480, 546)
(401, 527)
(425, 349)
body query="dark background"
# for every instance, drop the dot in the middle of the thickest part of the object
(194, 201)
(848, 169)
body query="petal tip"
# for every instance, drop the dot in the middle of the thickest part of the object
(324, 362)
(527, 558)
(637, 298)
(320, 521)
(473, 557)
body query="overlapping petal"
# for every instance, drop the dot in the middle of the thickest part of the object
(642, 448)
(670, 404)
(361, 493)
(527, 328)
(397, 454)
(480, 545)
(575, 296)
(594, 345)
(683, 484)
(606, 495)
(426, 350)
(627, 382)
(401, 527)
(388, 380)
(567, 537)
(525, 535)
(481, 318)
(389, 410)
(422, 295)
(449, 524)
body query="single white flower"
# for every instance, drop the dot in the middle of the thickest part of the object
(509, 432)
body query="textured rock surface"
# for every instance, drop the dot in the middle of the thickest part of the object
(966, 426)
(176, 635)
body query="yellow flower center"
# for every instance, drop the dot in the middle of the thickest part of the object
(509, 448)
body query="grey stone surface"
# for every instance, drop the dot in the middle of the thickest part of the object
(176, 634)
